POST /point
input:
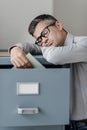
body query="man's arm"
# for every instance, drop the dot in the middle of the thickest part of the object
(18, 54)
(72, 53)
(27, 47)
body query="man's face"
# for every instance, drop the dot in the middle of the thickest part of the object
(49, 34)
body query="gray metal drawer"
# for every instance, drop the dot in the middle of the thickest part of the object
(52, 100)
(60, 127)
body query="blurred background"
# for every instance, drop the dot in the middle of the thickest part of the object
(15, 16)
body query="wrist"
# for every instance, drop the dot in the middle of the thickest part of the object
(11, 48)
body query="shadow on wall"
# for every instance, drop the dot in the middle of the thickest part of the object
(72, 14)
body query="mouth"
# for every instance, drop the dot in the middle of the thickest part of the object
(50, 43)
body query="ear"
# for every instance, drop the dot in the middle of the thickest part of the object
(58, 25)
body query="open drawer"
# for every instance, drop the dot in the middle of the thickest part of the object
(34, 97)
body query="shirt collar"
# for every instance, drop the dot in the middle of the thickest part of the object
(69, 39)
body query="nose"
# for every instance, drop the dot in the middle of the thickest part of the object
(44, 40)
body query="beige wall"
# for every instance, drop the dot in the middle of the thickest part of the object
(15, 16)
(73, 15)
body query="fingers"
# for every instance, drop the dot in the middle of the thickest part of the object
(19, 63)
(18, 58)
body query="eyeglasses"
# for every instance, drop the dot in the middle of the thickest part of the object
(45, 32)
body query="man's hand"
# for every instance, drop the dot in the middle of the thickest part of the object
(18, 58)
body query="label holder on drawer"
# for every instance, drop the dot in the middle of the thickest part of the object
(27, 88)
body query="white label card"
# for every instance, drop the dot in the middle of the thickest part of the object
(24, 88)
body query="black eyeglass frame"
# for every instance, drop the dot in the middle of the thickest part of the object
(37, 42)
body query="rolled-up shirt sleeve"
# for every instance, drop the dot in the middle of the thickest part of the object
(27, 47)
(73, 53)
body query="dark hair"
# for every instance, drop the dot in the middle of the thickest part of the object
(44, 17)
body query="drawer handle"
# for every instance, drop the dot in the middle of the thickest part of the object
(27, 110)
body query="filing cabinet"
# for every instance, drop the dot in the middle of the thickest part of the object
(34, 99)
(5, 62)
